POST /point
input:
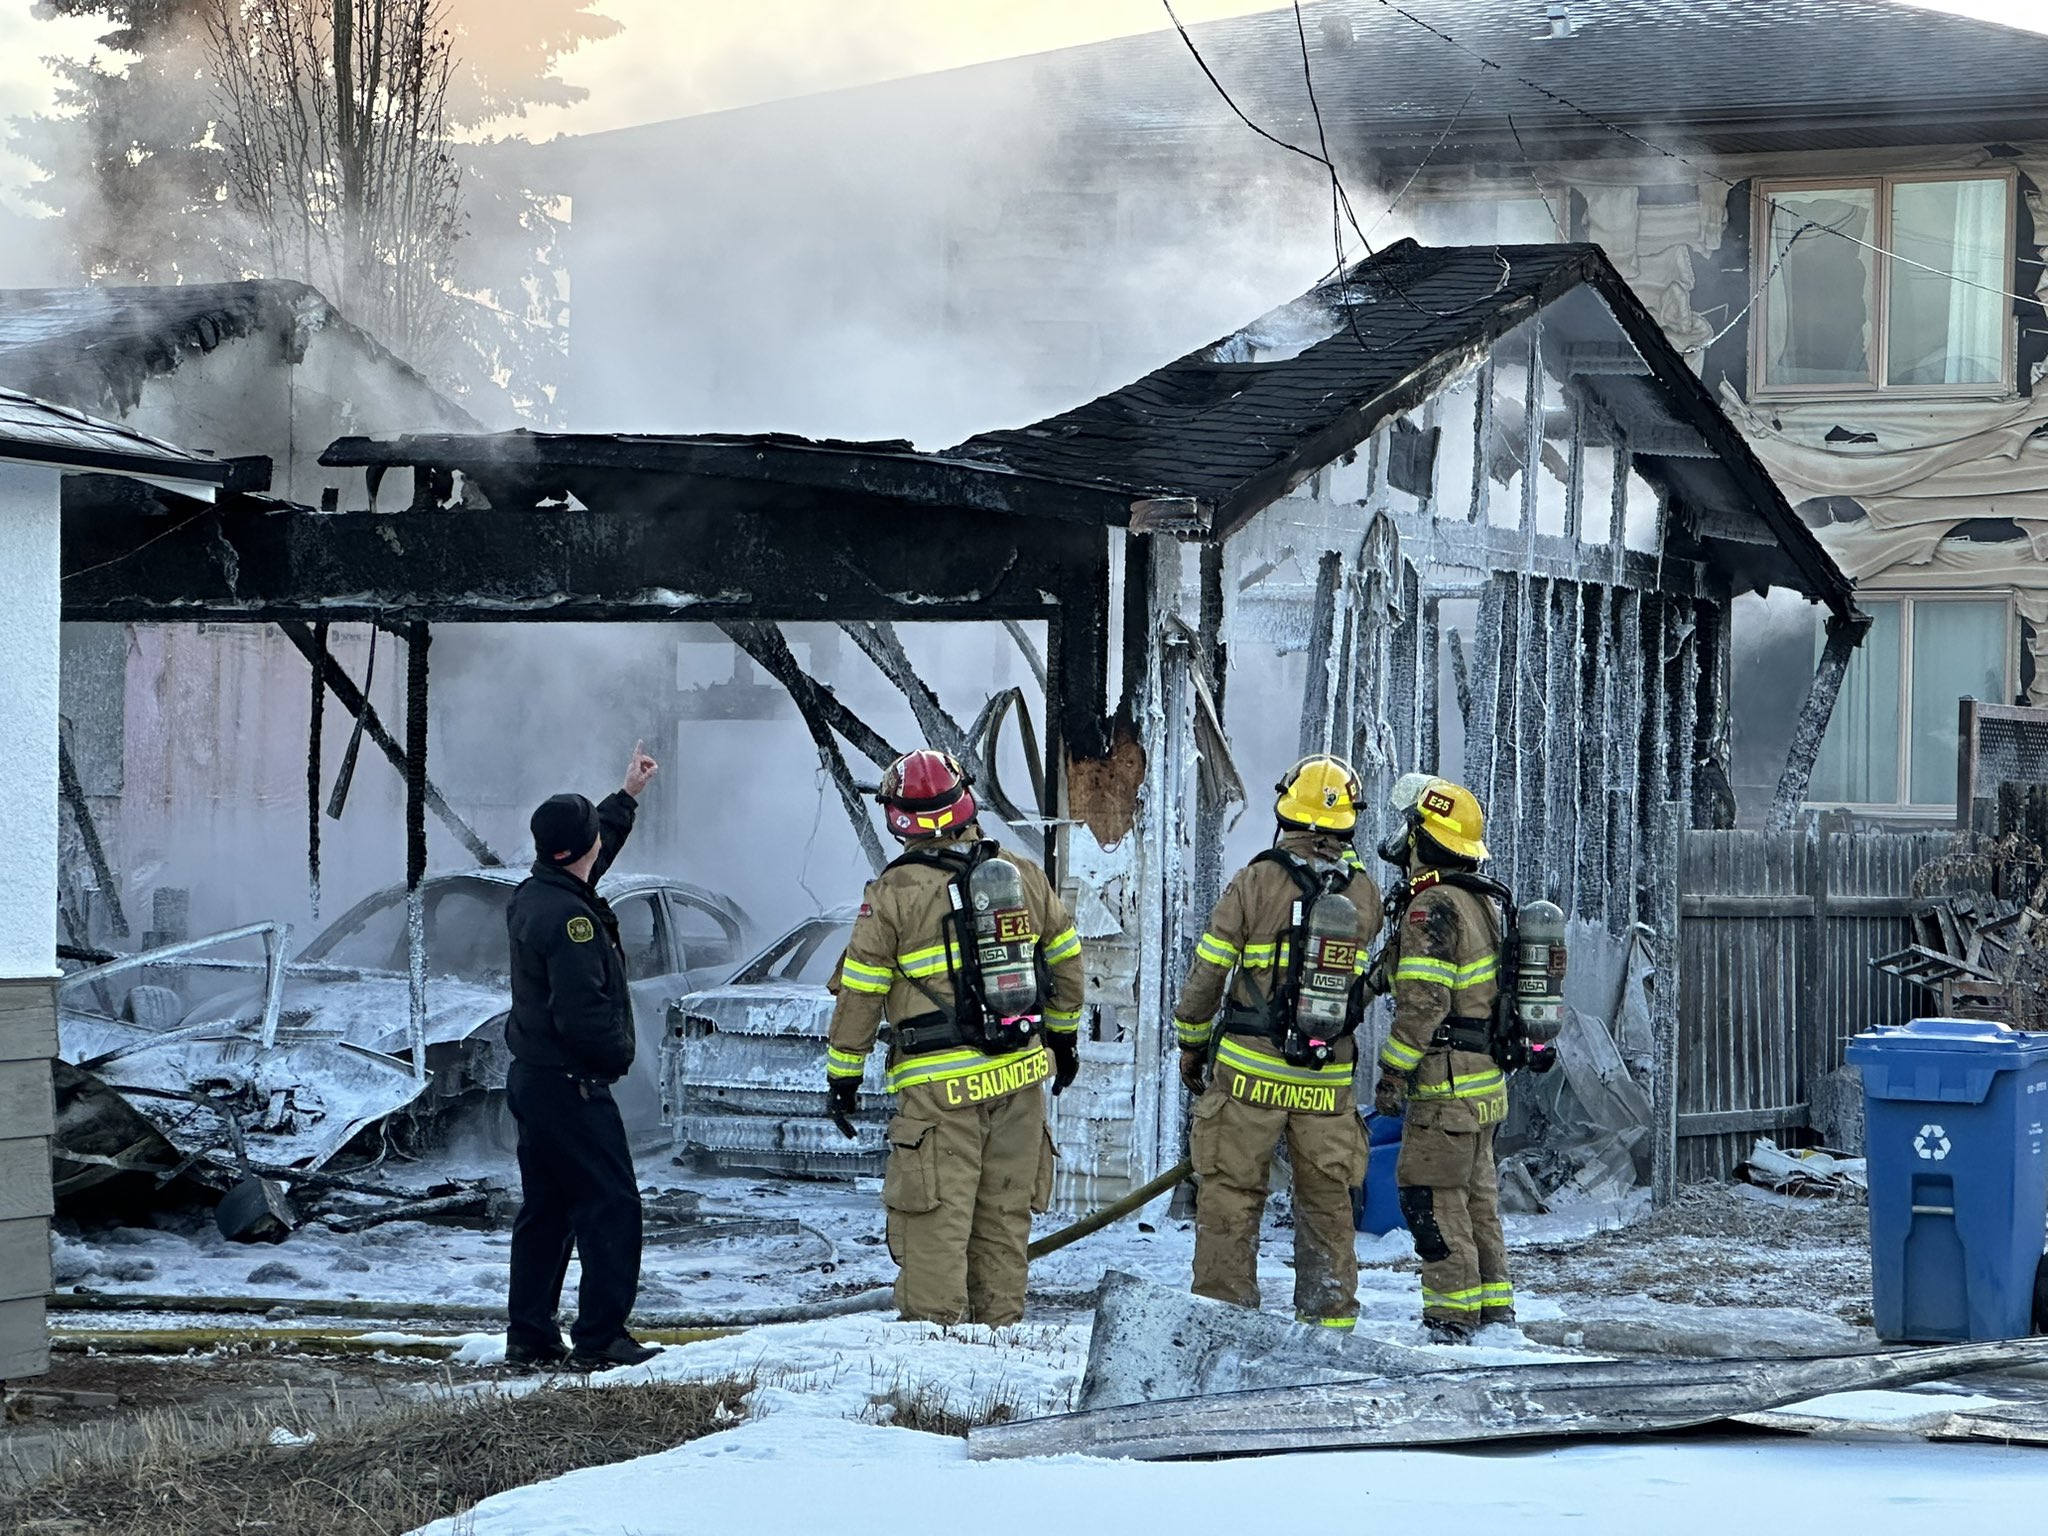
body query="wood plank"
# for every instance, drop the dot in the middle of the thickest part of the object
(24, 1339)
(25, 1177)
(24, 1257)
(1745, 907)
(28, 1020)
(1733, 1121)
(26, 1108)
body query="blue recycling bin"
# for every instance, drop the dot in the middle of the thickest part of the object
(1957, 1136)
(1376, 1208)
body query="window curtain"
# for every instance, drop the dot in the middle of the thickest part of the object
(1859, 759)
(1975, 313)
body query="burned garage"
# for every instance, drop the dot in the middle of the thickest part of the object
(1215, 775)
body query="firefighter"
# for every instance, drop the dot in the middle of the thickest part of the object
(1443, 960)
(969, 953)
(1258, 1073)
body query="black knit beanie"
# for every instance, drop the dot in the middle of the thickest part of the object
(564, 829)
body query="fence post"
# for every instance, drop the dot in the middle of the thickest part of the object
(1666, 866)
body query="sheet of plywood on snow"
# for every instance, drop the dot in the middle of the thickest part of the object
(24, 1257)
(24, 1339)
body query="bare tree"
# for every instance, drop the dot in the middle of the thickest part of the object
(333, 115)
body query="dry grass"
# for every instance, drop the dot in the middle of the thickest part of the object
(935, 1411)
(370, 1476)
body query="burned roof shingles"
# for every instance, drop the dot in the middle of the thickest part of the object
(38, 432)
(95, 348)
(1217, 431)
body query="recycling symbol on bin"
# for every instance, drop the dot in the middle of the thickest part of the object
(1932, 1143)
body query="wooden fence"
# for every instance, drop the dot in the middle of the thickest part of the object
(1776, 934)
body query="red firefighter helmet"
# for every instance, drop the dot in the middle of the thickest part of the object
(925, 794)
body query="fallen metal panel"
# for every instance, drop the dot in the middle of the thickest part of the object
(1546, 1401)
(1625, 1397)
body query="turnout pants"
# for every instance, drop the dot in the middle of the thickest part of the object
(959, 1191)
(578, 1193)
(1231, 1143)
(1452, 1204)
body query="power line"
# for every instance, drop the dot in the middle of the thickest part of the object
(1341, 196)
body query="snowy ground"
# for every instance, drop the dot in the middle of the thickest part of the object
(841, 1251)
(817, 1449)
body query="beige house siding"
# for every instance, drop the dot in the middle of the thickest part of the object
(28, 1039)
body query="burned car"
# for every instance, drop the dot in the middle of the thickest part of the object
(743, 1065)
(289, 1071)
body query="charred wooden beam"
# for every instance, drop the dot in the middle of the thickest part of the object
(1318, 691)
(417, 639)
(1843, 636)
(72, 789)
(881, 645)
(343, 687)
(316, 719)
(654, 555)
(814, 700)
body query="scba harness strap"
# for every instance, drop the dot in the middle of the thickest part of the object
(1275, 1017)
(968, 1021)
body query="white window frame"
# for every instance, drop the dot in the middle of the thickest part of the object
(1762, 257)
(1908, 602)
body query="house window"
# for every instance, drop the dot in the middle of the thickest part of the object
(1891, 742)
(1840, 315)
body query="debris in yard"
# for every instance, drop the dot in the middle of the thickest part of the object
(1807, 1171)
(1630, 1325)
(256, 1211)
(1489, 1404)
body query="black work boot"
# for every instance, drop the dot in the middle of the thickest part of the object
(530, 1357)
(624, 1350)
(1444, 1330)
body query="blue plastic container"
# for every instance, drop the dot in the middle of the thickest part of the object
(1957, 1136)
(1377, 1207)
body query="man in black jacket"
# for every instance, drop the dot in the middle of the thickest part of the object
(571, 1037)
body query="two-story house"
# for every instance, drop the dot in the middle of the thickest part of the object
(1830, 207)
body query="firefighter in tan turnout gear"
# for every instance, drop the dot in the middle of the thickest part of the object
(1442, 959)
(969, 953)
(1284, 955)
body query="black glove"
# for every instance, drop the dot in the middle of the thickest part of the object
(1066, 1057)
(1194, 1071)
(842, 1102)
(1390, 1094)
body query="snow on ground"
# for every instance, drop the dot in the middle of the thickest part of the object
(843, 1251)
(790, 1473)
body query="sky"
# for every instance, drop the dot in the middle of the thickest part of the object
(676, 57)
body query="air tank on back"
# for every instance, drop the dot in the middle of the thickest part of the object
(1006, 945)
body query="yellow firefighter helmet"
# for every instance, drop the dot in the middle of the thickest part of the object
(1450, 814)
(1320, 792)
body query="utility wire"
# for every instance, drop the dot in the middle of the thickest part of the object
(1672, 154)
(1343, 198)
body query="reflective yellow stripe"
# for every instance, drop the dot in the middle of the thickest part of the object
(1451, 1301)
(1191, 1034)
(1478, 971)
(1400, 1055)
(934, 961)
(1231, 1054)
(1329, 1322)
(1476, 1085)
(863, 978)
(1259, 957)
(1062, 946)
(840, 1063)
(1422, 968)
(1214, 950)
(1062, 1023)
(1497, 1293)
(965, 1062)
